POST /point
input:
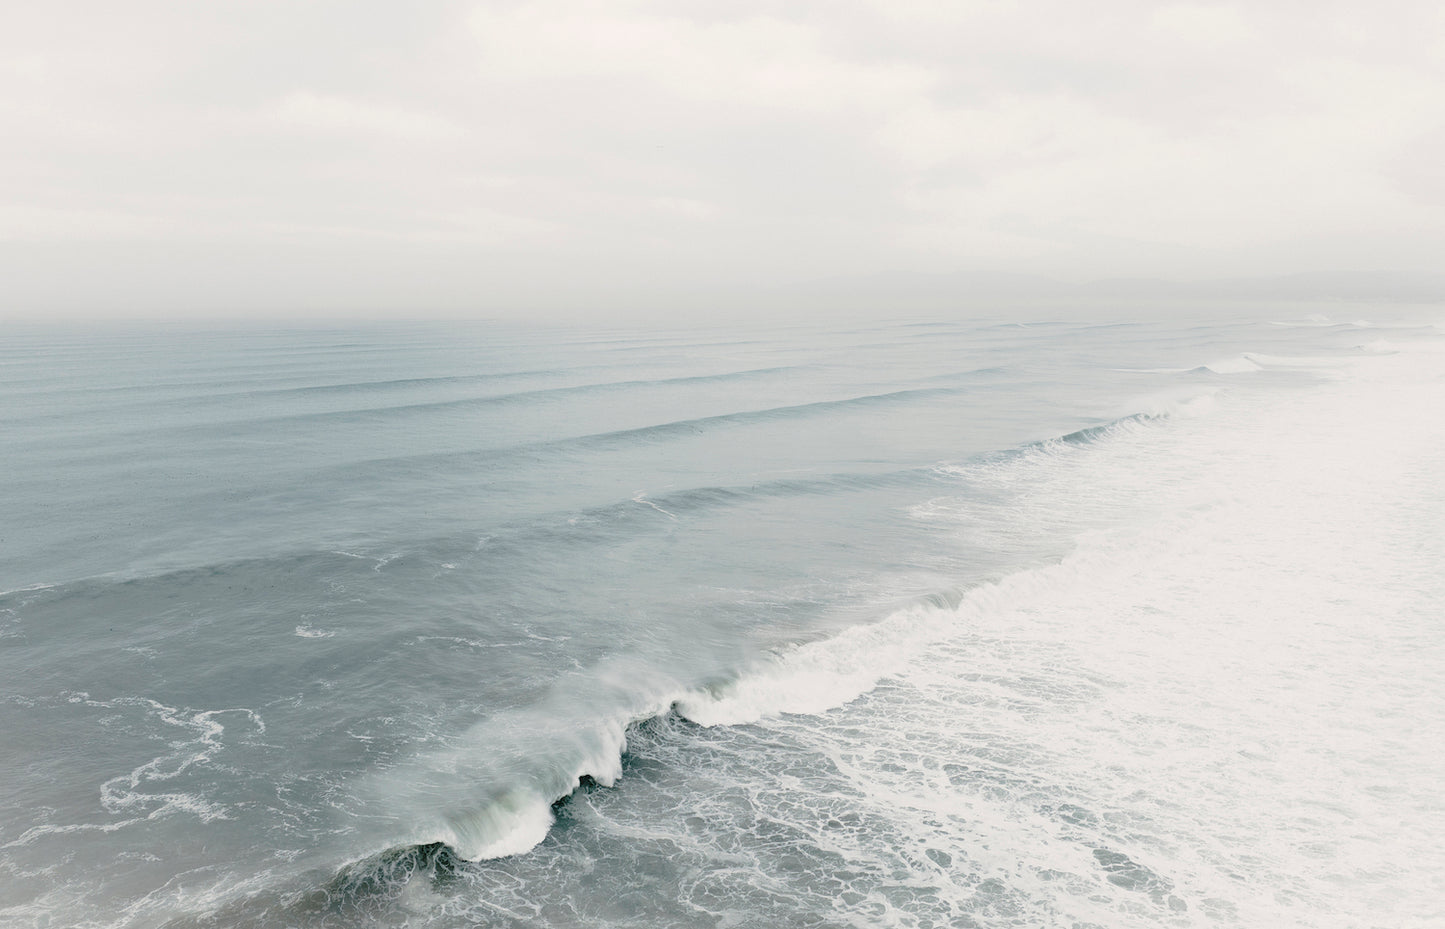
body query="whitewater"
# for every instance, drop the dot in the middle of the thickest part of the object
(1085, 619)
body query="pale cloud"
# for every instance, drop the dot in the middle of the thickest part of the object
(330, 113)
(1214, 26)
(1415, 170)
(538, 151)
(682, 206)
(760, 61)
(23, 223)
(1284, 144)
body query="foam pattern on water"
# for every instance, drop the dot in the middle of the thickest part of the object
(1223, 709)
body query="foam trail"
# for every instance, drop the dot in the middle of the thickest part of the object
(641, 497)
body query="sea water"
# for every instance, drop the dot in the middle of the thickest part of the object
(1044, 618)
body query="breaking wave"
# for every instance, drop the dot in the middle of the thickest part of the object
(534, 758)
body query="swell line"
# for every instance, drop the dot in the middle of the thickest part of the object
(370, 412)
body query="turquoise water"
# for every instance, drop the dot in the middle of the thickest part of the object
(1118, 622)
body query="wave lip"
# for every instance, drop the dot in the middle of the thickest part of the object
(512, 823)
(490, 794)
(813, 678)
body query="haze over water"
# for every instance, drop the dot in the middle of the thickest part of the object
(932, 621)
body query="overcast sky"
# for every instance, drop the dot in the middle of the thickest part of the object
(440, 158)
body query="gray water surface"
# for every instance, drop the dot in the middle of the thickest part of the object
(860, 624)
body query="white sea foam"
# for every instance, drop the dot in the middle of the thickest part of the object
(462, 640)
(135, 790)
(1313, 321)
(1199, 679)
(1239, 364)
(135, 794)
(1175, 405)
(822, 675)
(641, 497)
(814, 677)
(1298, 361)
(28, 589)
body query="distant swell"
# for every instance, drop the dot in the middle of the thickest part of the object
(622, 439)
(360, 389)
(641, 507)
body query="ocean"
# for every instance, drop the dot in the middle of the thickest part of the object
(1045, 619)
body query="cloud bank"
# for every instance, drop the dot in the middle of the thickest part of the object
(571, 156)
